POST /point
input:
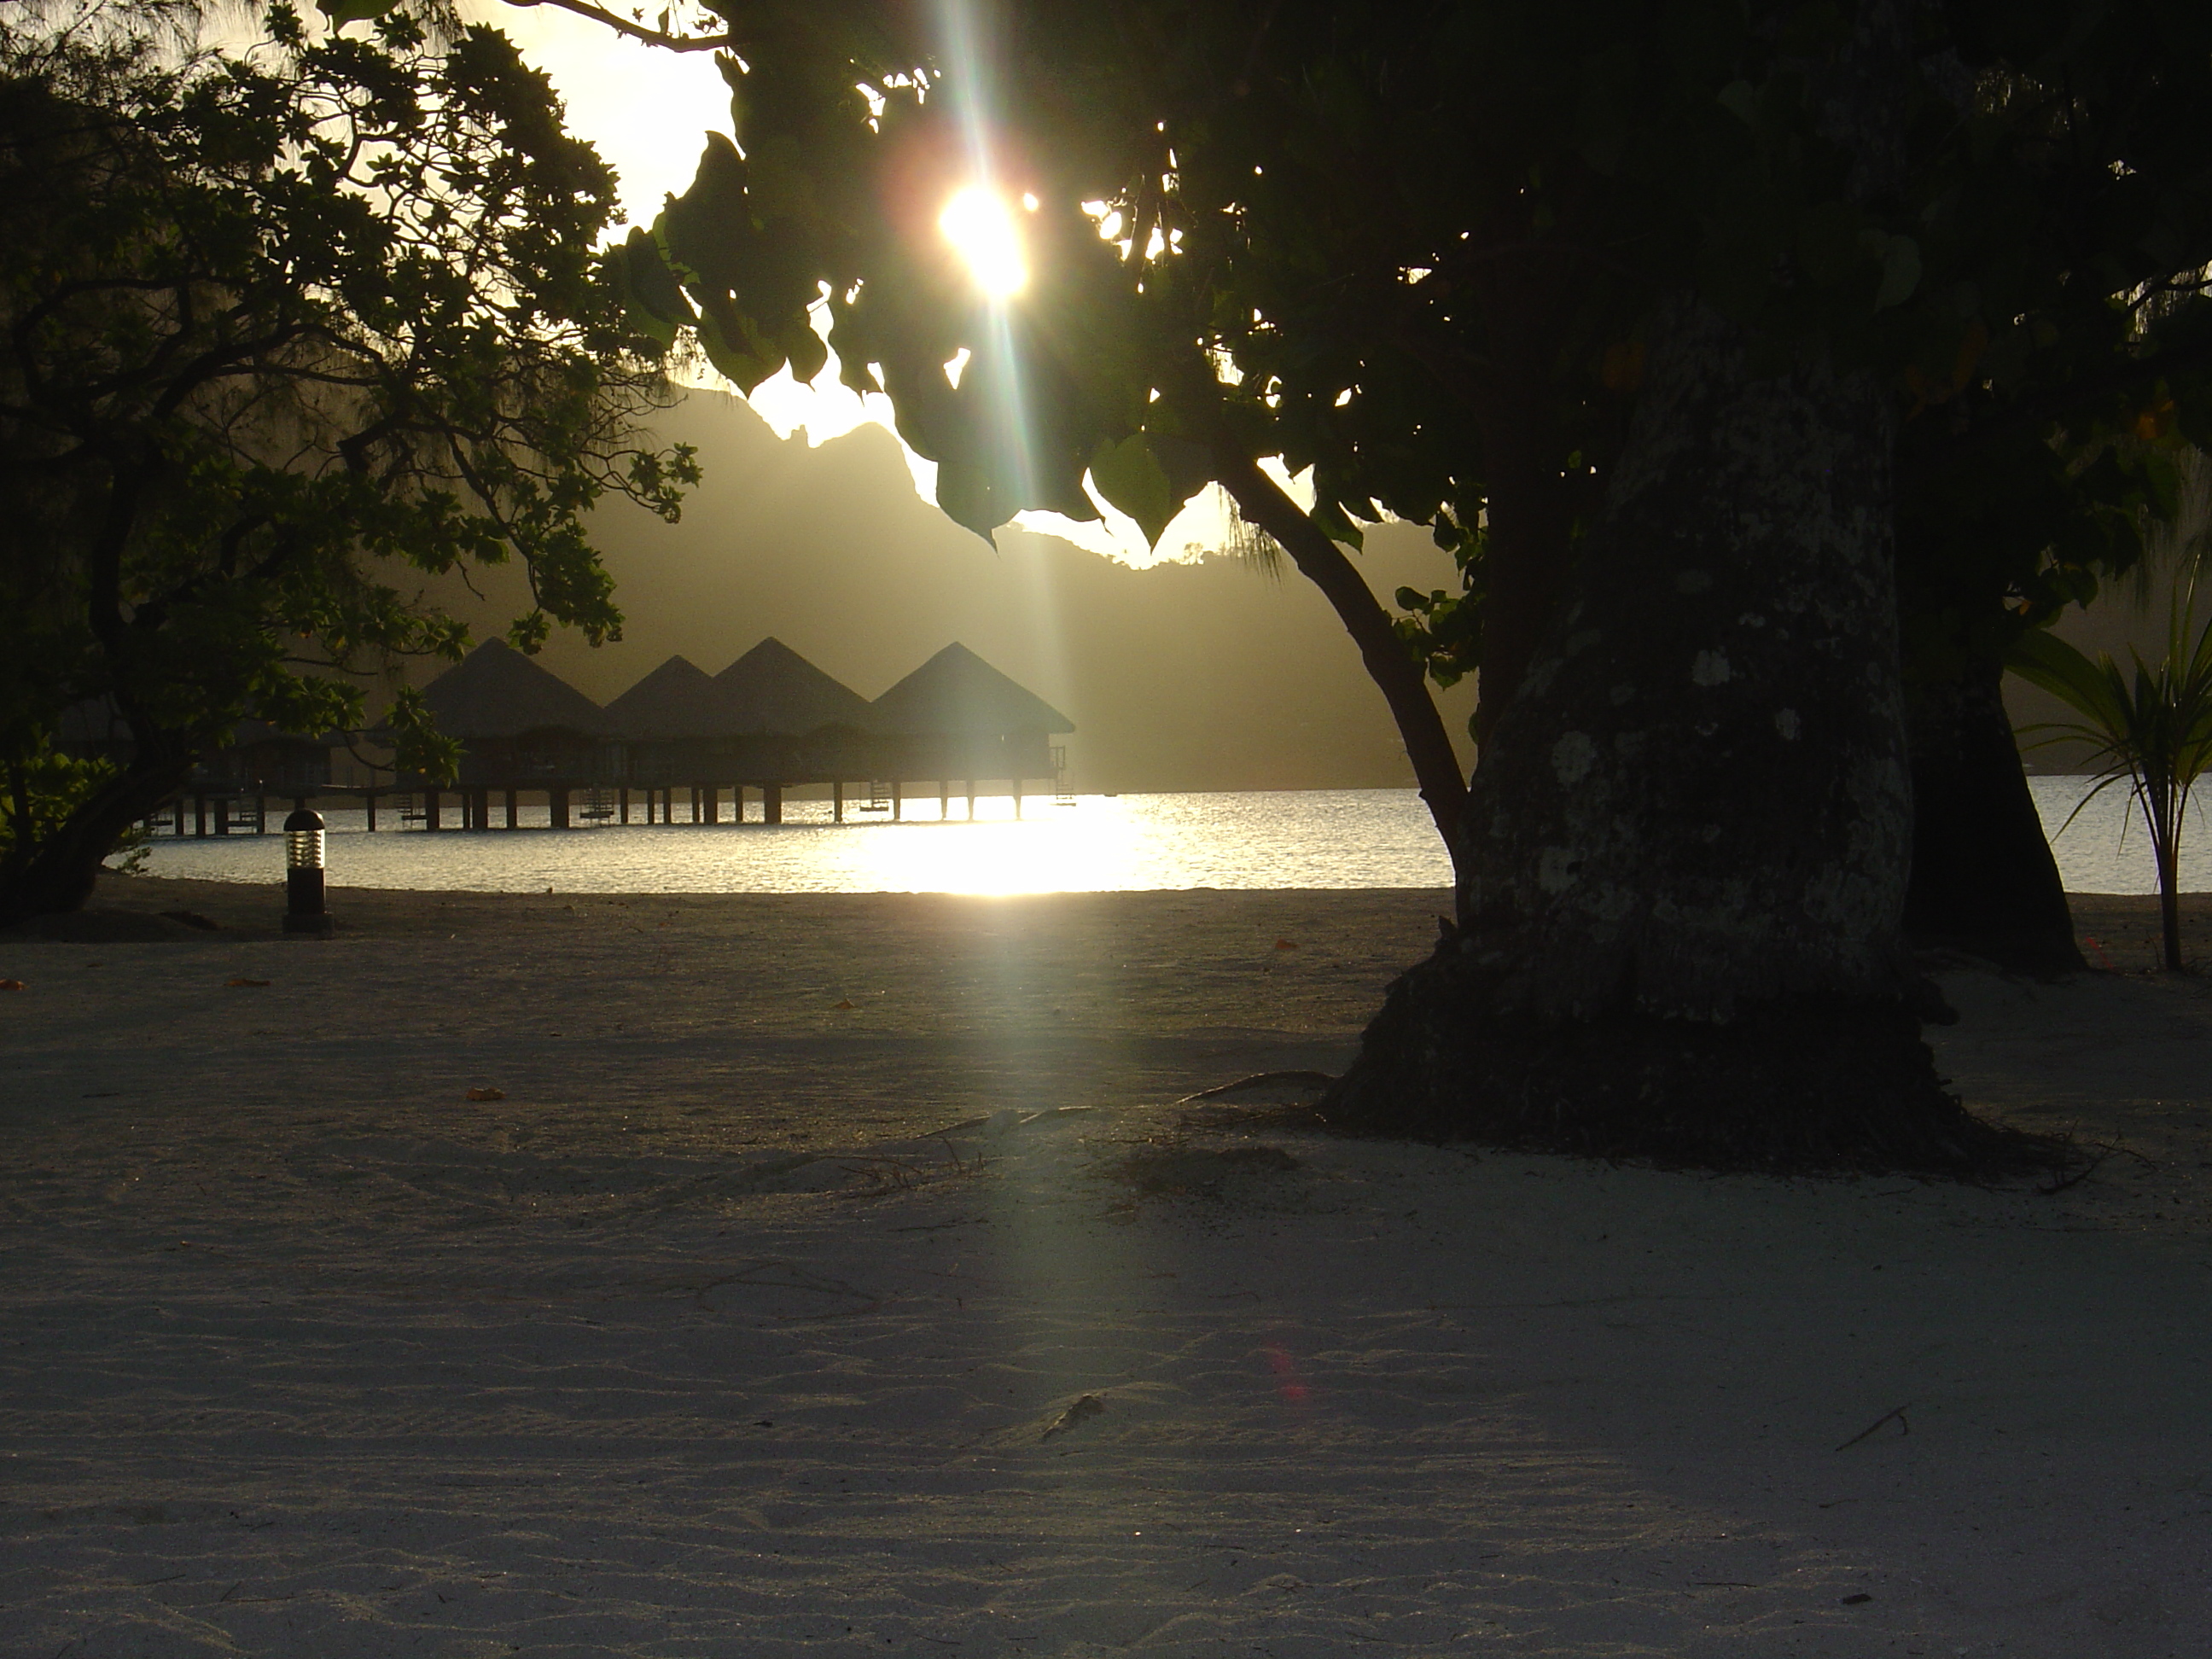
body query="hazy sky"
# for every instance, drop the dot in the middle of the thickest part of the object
(648, 112)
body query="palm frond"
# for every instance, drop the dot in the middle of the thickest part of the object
(2149, 727)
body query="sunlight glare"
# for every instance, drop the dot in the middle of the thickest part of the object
(982, 230)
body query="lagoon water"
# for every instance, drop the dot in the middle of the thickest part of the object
(1337, 838)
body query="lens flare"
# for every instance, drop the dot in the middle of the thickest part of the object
(983, 231)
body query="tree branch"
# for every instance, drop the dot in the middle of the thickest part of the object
(622, 25)
(2031, 412)
(1389, 665)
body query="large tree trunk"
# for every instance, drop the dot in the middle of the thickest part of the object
(1683, 860)
(1984, 880)
(60, 874)
(1526, 547)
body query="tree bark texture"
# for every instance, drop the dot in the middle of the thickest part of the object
(1984, 880)
(1525, 554)
(1682, 866)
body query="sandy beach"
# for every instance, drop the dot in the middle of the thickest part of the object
(840, 1273)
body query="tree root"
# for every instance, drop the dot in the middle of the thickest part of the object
(1800, 1087)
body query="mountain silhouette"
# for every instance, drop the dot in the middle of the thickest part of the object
(1207, 675)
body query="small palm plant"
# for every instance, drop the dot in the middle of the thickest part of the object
(2152, 730)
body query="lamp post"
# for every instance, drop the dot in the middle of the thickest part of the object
(304, 911)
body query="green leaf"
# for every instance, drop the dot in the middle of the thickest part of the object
(803, 347)
(2093, 689)
(2163, 476)
(648, 279)
(735, 348)
(1900, 272)
(707, 228)
(342, 12)
(1132, 478)
(966, 493)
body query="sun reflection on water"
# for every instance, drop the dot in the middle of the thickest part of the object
(1315, 838)
(1103, 843)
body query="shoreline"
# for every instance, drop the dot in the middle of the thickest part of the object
(635, 1276)
(2118, 931)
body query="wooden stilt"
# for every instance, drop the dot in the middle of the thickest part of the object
(713, 791)
(972, 798)
(199, 817)
(837, 803)
(514, 808)
(771, 803)
(222, 815)
(737, 803)
(556, 799)
(431, 809)
(897, 802)
(261, 815)
(625, 803)
(368, 803)
(1018, 797)
(944, 798)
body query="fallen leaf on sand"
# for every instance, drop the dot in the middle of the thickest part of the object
(246, 982)
(11, 984)
(485, 1094)
(842, 1002)
(1286, 944)
(1084, 1405)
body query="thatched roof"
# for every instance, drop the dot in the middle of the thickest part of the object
(498, 692)
(956, 693)
(679, 699)
(772, 689)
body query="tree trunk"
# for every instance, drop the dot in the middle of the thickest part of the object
(59, 876)
(1525, 545)
(1682, 864)
(1394, 670)
(1982, 879)
(2169, 898)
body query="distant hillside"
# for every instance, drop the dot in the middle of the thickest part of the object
(1182, 676)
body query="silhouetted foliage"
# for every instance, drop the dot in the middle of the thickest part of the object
(283, 328)
(1467, 262)
(1415, 248)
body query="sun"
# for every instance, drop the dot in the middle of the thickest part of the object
(981, 227)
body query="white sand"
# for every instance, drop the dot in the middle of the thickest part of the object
(698, 1343)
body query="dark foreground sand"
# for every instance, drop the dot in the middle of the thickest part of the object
(700, 1340)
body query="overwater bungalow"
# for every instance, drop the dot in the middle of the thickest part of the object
(263, 759)
(229, 787)
(669, 726)
(769, 720)
(791, 721)
(662, 718)
(957, 717)
(520, 727)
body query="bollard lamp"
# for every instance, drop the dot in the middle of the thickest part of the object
(304, 911)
